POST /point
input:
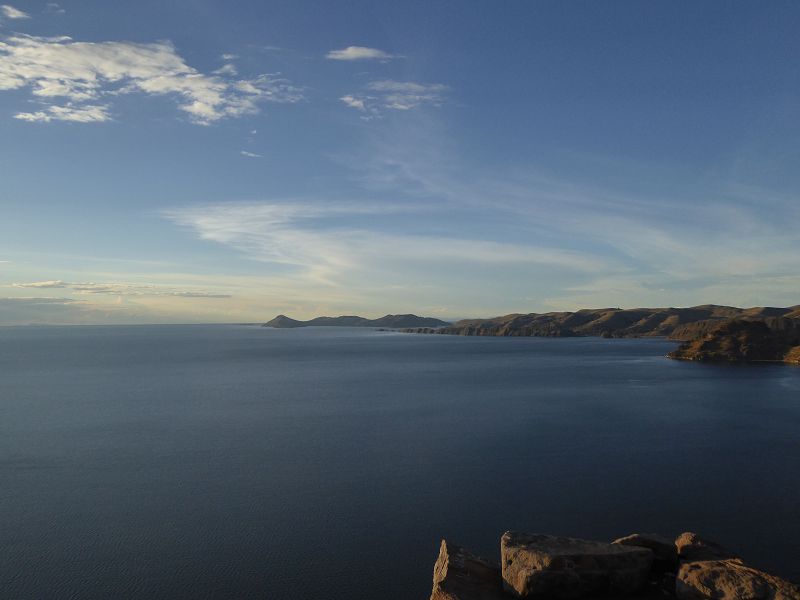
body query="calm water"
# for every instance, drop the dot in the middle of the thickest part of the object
(242, 462)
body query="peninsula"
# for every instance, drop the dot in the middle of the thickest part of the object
(387, 321)
(709, 332)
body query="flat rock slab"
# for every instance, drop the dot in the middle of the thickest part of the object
(664, 550)
(460, 575)
(536, 565)
(730, 580)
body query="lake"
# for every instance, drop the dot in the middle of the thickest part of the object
(222, 461)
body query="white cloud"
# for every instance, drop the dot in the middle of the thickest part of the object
(250, 154)
(9, 12)
(353, 102)
(56, 283)
(54, 8)
(83, 72)
(86, 113)
(396, 95)
(358, 53)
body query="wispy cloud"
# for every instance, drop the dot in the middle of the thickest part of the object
(310, 237)
(227, 69)
(42, 284)
(359, 53)
(250, 154)
(120, 289)
(9, 12)
(395, 95)
(86, 113)
(54, 8)
(402, 95)
(713, 240)
(81, 73)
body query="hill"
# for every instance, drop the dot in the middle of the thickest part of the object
(676, 323)
(773, 339)
(388, 321)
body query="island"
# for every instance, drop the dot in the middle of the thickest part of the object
(388, 322)
(709, 332)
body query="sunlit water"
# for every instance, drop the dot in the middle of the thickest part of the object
(243, 462)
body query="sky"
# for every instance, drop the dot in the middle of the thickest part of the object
(211, 161)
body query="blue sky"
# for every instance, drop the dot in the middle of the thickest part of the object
(227, 161)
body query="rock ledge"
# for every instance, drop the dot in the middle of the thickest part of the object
(637, 566)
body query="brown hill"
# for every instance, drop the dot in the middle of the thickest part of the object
(772, 339)
(677, 323)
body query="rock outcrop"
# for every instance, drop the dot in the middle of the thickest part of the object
(739, 340)
(458, 575)
(692, 547)
(730, 580)
(546, 566)
(638, 566)
(665, 552)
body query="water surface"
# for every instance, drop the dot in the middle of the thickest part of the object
(242, 462)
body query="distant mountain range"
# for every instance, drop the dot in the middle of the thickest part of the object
(388, 321)
(709, 332)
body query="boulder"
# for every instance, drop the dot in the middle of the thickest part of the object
(665, 553)
(459, 575)
(548, 566)
(692, 547)
(730, 580)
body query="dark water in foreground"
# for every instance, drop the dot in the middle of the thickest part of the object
(241, 462)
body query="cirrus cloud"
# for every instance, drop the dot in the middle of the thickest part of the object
(120, 289)
(395, 95)
(56, 283)
(309, 239)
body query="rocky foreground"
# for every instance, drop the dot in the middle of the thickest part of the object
(639, 566)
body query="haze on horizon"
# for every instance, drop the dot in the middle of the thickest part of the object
(210, 161)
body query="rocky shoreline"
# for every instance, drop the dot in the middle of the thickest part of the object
(775, 340)
(708, 333)
(638, 566)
